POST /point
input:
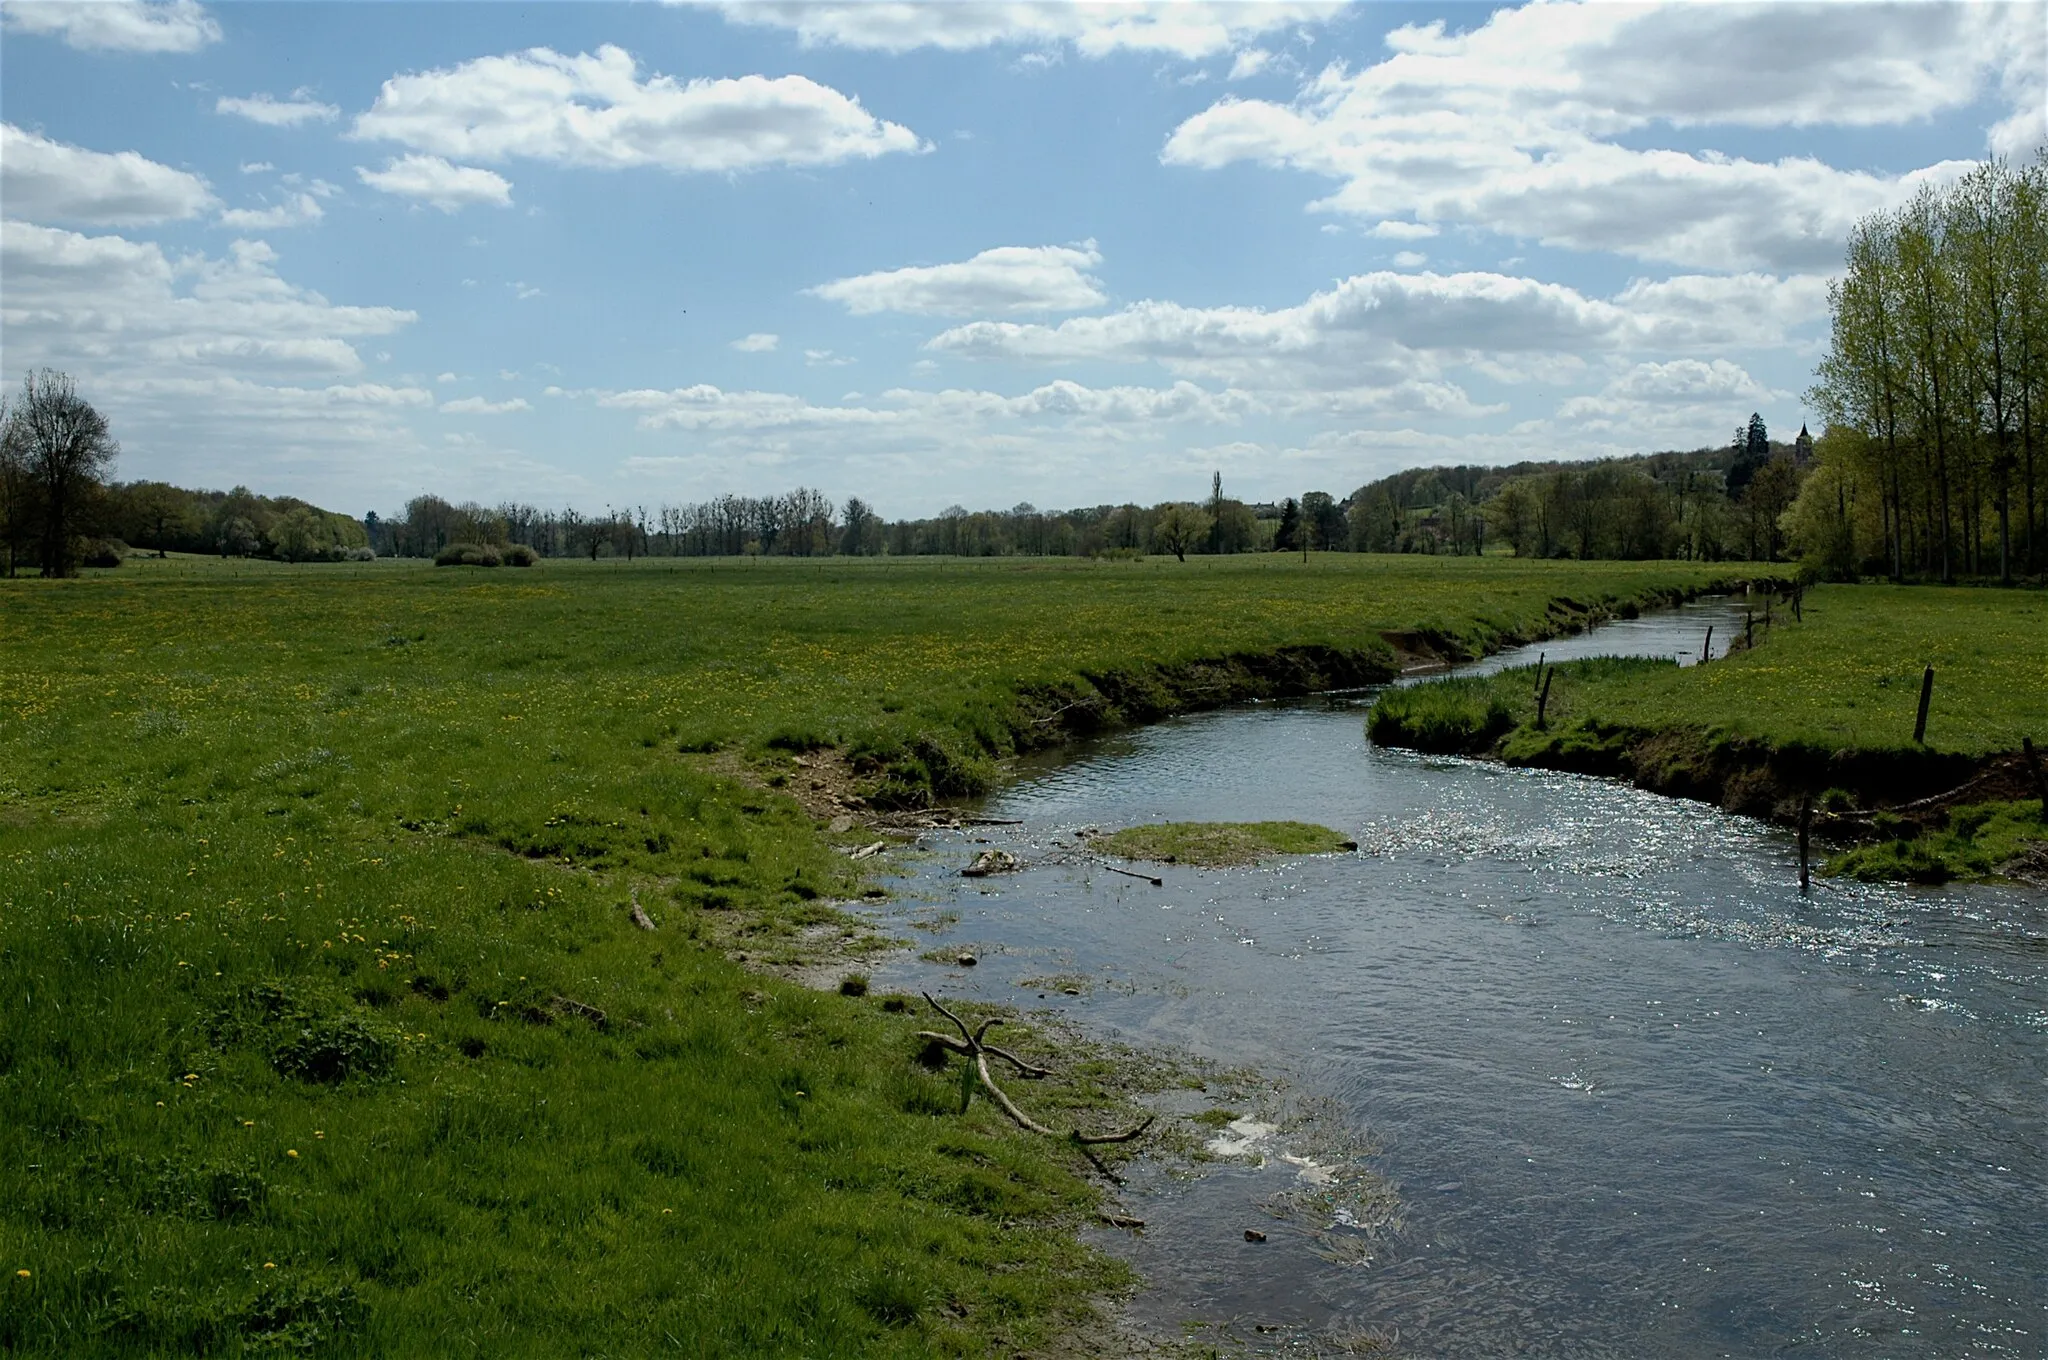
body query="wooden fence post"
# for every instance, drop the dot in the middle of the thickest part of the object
(1926, 694)
(1539, 669)
(1707, 647)
(1805, 839)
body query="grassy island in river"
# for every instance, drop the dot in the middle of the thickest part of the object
(1218, 845)
(322, 1020)
(1823, 706)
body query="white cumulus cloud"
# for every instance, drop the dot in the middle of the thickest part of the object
(1002, 281)
(479, 406)
(212, 370)
(298, 210)
(595, 110)
(116, 25)
(46, 181)
(261, 108)
(1515, 126)
(435, 181)
(760, 342)
(1171, 27)
(1395, 336)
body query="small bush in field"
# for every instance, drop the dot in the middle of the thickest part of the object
(519, 555)
(467, 555)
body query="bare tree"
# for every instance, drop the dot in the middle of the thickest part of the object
(63, 450)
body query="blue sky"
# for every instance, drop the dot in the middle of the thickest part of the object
(935, 253)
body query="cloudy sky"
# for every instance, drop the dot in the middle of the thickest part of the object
(952, 252)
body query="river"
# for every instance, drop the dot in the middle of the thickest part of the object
(1626, 1090)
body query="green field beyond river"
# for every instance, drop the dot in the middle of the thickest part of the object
(324, 1026)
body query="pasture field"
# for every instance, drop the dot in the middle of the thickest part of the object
(323, 1026)
(1846, 678)
(1831, 698)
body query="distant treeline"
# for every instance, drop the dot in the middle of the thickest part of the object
(1657, 505)
(239, 523)
(805, 523)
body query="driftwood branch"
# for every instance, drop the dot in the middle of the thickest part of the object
(970, 1046)
(638, 916)
(1024, 1069)
(1133, 873)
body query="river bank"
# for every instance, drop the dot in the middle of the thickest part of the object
(1621, 1088)
(1815, 719)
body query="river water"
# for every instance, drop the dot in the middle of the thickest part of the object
(1626, 1091)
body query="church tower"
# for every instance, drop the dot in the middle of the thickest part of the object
(1802, 448)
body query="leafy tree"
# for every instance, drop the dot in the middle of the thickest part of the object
(61, 448)
(1514, 513)
(1178, 528)
(1375, 521)
(302, 535)
(860, 522)
(1324, 520)
(1289, 537)
(1938, 362)
(237, 537)
(17, 518)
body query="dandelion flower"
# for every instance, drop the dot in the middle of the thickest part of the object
(22, 1274)
(270, 1265)
(291, 1152)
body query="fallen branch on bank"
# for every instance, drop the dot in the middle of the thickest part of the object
(970, 1046)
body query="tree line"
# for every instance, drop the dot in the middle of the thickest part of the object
(1935, 386)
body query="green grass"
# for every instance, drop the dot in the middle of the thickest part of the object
(1834, 695)
(1220, 844)
(322, 1024)
(1978, 841)
(1847, 678)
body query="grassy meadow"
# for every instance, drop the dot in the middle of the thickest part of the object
(1832, 697)
(1845, 678)
(323, 1027)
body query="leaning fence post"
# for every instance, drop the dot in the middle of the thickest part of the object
(1805, 835)
(1707, 647)
(1926, 694)
(1543, 699)
(1539, 668)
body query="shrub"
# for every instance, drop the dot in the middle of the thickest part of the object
(519, 555)
(104, 552)
(467, 555)
(362, 554)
